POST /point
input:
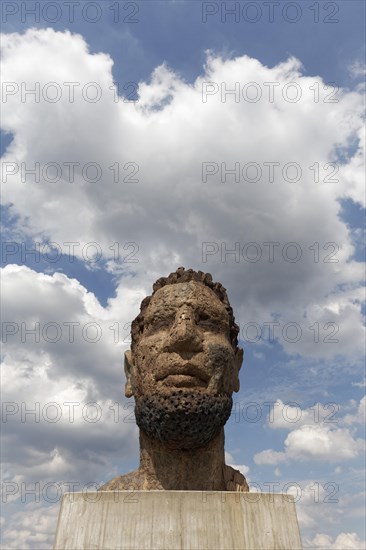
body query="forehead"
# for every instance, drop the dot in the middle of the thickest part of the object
(194, 294)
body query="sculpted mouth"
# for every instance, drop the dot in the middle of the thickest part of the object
(183, 376)
(183, 381)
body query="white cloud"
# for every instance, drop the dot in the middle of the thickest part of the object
(314, 434)
(329, 325)
(357, 69)
(169, 133)
(359, 417)
(31, 529)
(322, 443)
(269, 457)
(290, 415)
(361, 384)
(66, 417)
(344, 541)
(170, 212)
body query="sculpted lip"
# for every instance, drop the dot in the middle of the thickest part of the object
(187, 371)
(183, 381)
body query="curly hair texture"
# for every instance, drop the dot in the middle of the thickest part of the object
(181, 275)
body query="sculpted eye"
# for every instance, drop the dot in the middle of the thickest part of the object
(204, 319)
(158, 323)
(164, 322)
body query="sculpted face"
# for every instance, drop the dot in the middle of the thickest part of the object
(184, 368)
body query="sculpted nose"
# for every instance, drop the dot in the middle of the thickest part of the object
(184, 335)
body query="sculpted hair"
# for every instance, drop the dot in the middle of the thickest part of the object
(183, 276)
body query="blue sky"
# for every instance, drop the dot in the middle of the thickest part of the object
(167, 217)
(326, 47)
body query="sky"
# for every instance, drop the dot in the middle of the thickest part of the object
(228, 137)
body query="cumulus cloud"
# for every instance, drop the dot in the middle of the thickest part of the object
(344, 541)
(65, 417)
(269, 457)
(151, 202)
(323, 443)
(32, 528)
(314, 434)
(290, 415)
(361, 384)
(169, 212)
(357, 69)
(360, 416)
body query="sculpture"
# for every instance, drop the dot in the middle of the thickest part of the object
(182, 370)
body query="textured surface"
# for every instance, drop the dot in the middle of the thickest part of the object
(182, 370)
(172, 520)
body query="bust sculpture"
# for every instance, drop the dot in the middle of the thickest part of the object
(182, 369)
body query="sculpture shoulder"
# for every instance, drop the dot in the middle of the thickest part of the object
(135, 481)
(235, 481)
(128, 482)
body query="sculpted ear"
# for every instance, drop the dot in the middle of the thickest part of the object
(238, 361)
(128, 372)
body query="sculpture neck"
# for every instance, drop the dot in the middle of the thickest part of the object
(199, 469)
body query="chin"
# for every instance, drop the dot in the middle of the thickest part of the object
(185, 418)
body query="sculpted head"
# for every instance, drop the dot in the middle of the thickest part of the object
(184, 361)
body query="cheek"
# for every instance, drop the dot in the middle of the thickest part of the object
(144, 370)
(220, 355)
(146, 360)
(148, 349)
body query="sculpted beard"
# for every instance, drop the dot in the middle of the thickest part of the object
(183, 419)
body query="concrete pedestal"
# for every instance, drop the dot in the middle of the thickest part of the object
(172, 520)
